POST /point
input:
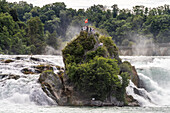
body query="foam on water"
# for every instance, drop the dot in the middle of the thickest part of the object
(24, 95)
(26, 89)
(154, 73)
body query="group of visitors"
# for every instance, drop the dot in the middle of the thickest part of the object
(88, 29)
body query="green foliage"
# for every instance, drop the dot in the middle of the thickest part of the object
(159, 24)
(7, 23)
(126, 67)
(121, 91)
(13, 13)
(35, 27)
(52, 40)
(36, 33)
(121, 24)
(101, 52)
(90, 55)
(110, 45)
(27, 16)
(75, 50)
(115, 10)
(96, 78)
(3, 6)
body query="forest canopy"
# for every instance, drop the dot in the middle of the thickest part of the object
(28, 29)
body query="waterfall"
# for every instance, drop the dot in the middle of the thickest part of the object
(19, 88)
(154, 75)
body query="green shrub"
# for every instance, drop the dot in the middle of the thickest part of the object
(121, 91)
(90, 55)
(101, 52)
(126, 67)
(96, 78)
(75, 50)
(110, 45)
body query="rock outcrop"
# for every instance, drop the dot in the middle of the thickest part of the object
(4, 77)
(65, 94)
(8, 61)
(51, 85)
(40, 68)
(94, 74)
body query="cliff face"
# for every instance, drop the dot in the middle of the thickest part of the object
(94, 74)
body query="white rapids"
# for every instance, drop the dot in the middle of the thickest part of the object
(154, 74)
(26, 89)
(24, 95)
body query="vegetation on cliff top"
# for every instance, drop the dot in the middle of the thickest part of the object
(75, 50)
(94, 69)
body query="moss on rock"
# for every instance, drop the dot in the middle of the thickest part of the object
(42, 67)
(27, 71)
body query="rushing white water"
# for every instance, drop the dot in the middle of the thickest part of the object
(26, 89)
(24, 95)
(154, 74)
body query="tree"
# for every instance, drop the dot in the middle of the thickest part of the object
(13, 13)
(53, 25)
(137, 22)
(108, 14)
(43, 18)
(52, 40)
(159, 24)
(21, 8)
(119, 23)
(124, 14)
(57, 7)
(49, 14)
(35, 27)
(146, 11)
(94, 14)
(115, 10)
(138, 10)
(35, 34)
(5, 41)
(34, 12)
(66, 19)
(27, 16)
(3, 6)
(80, 12)
(7, 21)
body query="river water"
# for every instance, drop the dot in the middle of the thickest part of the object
(25, 95)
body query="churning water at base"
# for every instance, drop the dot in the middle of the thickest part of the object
(24, 95)
(19, 88)
(154, 75)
